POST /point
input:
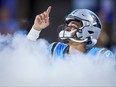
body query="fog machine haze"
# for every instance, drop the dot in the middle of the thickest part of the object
(28, 63)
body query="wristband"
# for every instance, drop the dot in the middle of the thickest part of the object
(33, 34)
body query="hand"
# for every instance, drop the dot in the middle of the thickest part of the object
(42, 20)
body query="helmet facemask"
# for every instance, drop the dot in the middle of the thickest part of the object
(74, 35)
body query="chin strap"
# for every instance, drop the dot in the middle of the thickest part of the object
(79, 41)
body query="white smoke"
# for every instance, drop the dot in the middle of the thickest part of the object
(26, 63)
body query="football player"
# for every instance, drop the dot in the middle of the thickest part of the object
(80, 33)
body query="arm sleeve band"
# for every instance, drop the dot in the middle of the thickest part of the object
(33, 34)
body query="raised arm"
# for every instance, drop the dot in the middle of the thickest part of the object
(41, 22)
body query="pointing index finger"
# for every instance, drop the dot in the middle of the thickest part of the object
(49, 10)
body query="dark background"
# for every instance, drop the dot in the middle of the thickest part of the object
(18, 15)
